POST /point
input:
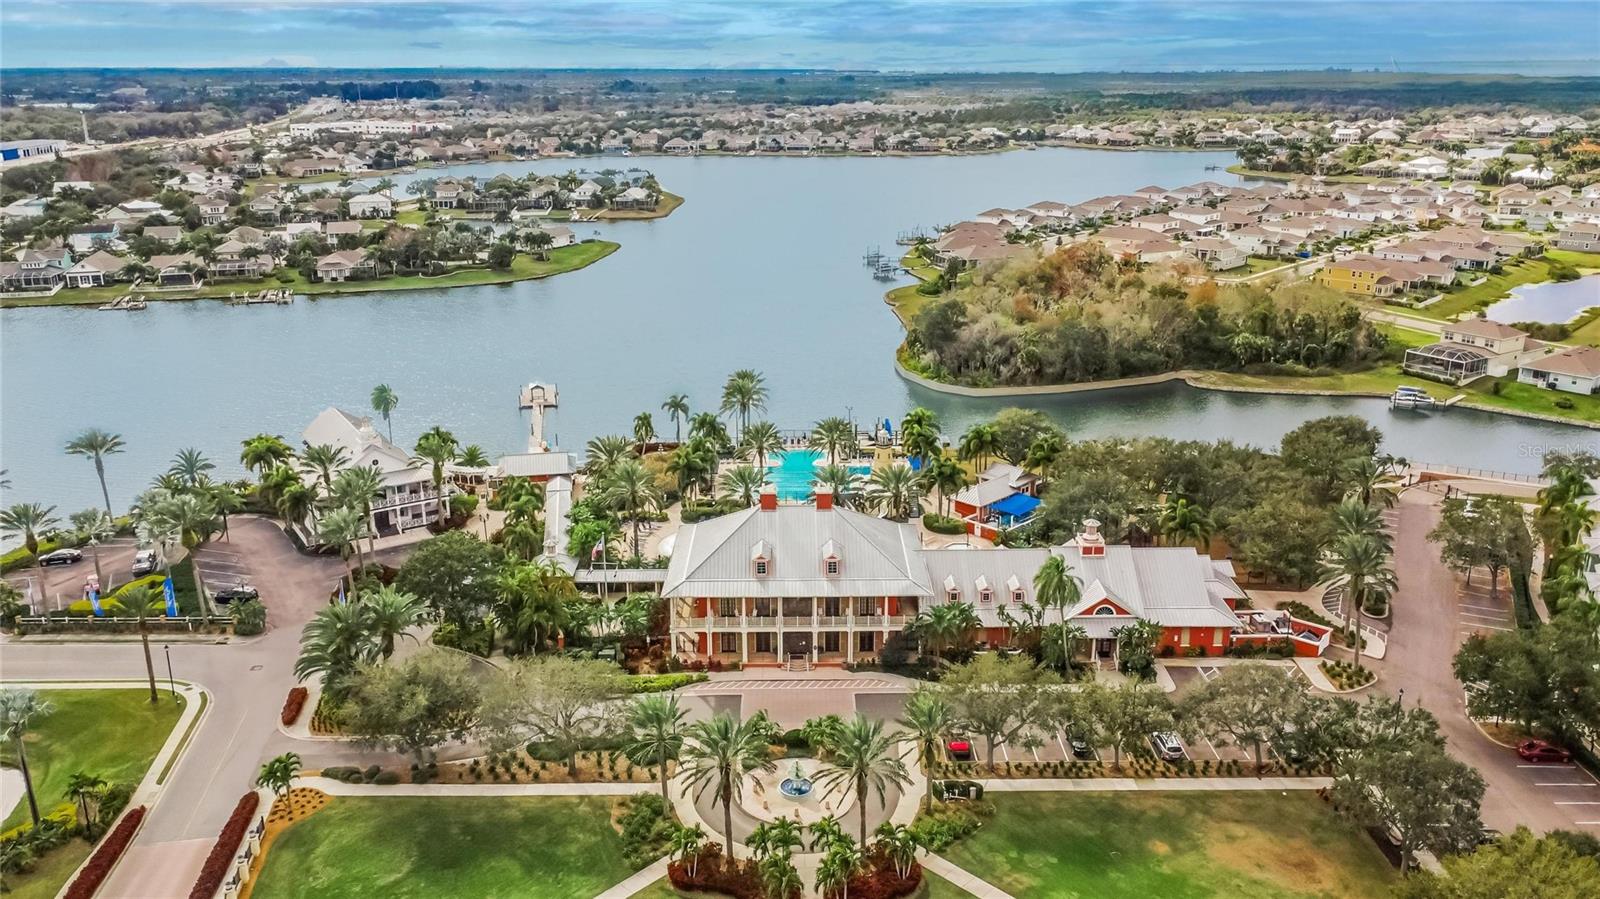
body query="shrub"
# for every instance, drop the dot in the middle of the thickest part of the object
(341, 772)
(943, 524)
(105, 856)
(84, 608)
(249, 618)
(941, 826)
(476, 640)
(712, 872)
(113, 801)
(656, 683)
(386, 778)
(220, 861)
(293, 705)
(645, 829)
(371, 773)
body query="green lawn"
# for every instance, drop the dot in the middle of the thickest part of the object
(1495, 287)
(664, 208)
(113, 734)
(1257, 264)
(398, 847)
(49, 874)
(1245, 845)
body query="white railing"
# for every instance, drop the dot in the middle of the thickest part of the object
(726, 621)
(405, 499)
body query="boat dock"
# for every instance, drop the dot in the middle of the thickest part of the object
(1418, 399)
(126, 303)
(538, 397)
(280, 296)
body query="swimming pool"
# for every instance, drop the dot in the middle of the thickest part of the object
(794, 470)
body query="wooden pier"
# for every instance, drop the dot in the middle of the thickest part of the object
(126, 303)
(280, 296)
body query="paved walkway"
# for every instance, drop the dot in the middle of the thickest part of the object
(641, 879)
(1149, 784)
(340, 788)
(963, 878)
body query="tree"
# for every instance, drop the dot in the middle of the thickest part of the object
(1357, 564)
(1428, 798)
(30, 520)
(1181, 522)
(532, 603)
(455, 574)
(356, 488)
(742, 484)
(191, 467)
(1128, 714)
(1246, 704)
(193, 518)
(862, 758)
(278, 773)
(1517, 864)
(945, 475)
(384, 402)
(644, 430)
(264, 452)
(334, 643)
(324, 460)
(343, 529)
(95, 527)
(843, 483)
(563, 702)
(391, 613)
(842, 862)
(437, 448)
(745, 392)
(139, 600)
(1324, 449)
(1488, 532)
(605, 453)
(927, 719)
(978, 444)
(1017, 430)
(677, 407)
(86, 788)
(19, 708)
(1546, 679)
(96, 445)
(413, 705)
(684, 845)
(473, 456)
(900, 844)
(919, 435)
(999, 699)
(834, 437)
(761, 440)
(895, 491)
(630, 489)
(1054, 586)
(720, 753)
(656, 729)
(1136, 647)
(944, 627)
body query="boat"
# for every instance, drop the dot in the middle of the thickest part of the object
(1411, 398)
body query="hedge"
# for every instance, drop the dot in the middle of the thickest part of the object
(293, 705)
(657, 683)
(105, 856)
(943, 524)
(20, 557)
(220, 861)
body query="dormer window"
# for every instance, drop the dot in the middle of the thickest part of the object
(986, 596)
(761, 558)
(984, 590)
(953, 595)
(1018, 597)
(830, 559)
(761, 567)
(1105, 610)
(831, 566)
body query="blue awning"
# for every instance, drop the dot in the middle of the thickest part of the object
(1017, 505)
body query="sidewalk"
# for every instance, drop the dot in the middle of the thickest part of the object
(962, 878)
(340, 788)
(638, 881)
(1150, 784)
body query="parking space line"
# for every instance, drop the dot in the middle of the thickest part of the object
(1556, 767)
(1497, 609)
(1577, 802)
(1562, 784)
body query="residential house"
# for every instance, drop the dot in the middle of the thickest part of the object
(1574, 370)
(213, 209)
(95, 235)
(237, 259)
(345, 265)
(1218, 255)
(36, 269)
(95, 270)
(408, 499)
(180, 271)
(634, 198)
(367, 206)
(1579, 237)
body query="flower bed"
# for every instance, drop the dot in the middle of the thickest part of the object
(325, 717)
(880, 880)
(95, 871)
(1348, 675)
(293, 705)
(220, 861)
(657, 683)
(711, 872)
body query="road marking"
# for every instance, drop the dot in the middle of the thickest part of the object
(1496, 609)
(1550, 766)
(1562, 784)
(1575, 802)
(1500, 617)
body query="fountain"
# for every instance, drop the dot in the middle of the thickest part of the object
(797, 784)
(791, 792)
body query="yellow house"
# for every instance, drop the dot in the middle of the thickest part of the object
(1363, 276)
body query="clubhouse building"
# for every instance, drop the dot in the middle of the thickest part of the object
(803, 585)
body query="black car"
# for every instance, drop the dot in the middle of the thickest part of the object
(1080, 746)
(64, 556)
(237, 593)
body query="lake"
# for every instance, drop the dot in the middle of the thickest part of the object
(760, 268)
(1551, 301)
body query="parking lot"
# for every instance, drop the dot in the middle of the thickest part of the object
(1571, 791)
(1478, 613)
(57, 586)
(221, 567)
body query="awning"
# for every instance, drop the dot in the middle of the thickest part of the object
(1017, 505)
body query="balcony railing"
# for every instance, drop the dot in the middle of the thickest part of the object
(726, 621)
(403, 499)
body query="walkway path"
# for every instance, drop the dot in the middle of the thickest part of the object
(641, 879)
(340, 788)
(963, 878)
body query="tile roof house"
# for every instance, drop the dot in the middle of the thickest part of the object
(1574, 370)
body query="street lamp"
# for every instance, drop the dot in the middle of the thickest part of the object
(171, 684)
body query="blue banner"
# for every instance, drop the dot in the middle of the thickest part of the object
(342, 599)
(94, 600)
(172, 597)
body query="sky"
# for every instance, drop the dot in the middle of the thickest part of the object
(1526, 36)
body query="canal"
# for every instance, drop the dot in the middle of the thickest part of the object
(760, 268)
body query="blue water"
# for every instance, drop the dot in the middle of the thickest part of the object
(1549, 301)
(796, 469)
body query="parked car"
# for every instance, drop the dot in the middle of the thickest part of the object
(63, 556)
(144, 562)
(1080, 746)
(236, 593)
(1540, 751)
(1167, 746)
(960, 749)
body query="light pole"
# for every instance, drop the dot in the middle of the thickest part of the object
(171, 684)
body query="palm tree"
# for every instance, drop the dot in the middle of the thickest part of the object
(1372, 481)
(191, 467)
(834, 436)
(295, 503)
(979, 443)
(1182, 522)
(779, 876)
(97, 445)
(94, 526)
(684, 845)
(895, 491)
(227, 500)
(693, 463)
(437, 448)
(745, 392)
(1043, 452)
(356, 488)
(743, 483)
(193, 519)
(945, 625)
(342, 529)
(630, 489)
(841, 480)
(334, 642)
(1054, 586)
(655, 728)
(264, 452)
(521, 540)
(1352, 516)
(919, 434)
(384, 402)
(1358, 564)
(861, 758)
(677, 406)
(473, 456)
(827, 831)
(644, 430)
(762, 440)
(928, 720)
(278, 773)
(721, 751)
(18, 709)
(900, 843)
(324, 460)
(531, 603)
(390, 613)
(81, 786)
(837, 867)
(709, 428)
(138, 600)
(945, 475)
(605, 452)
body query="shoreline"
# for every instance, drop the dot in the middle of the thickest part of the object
(320, 289)
(1200, 380)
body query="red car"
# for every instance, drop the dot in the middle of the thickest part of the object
(960, 750)
(1540, 751)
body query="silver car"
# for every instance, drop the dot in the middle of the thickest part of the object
(1167, 746)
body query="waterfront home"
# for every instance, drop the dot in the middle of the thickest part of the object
(345, 265)
(1471, 348)
(365, 206)
(1371, 276)
(805, 585)
(181, 271)
(36, 269)
(237, 259)
(95, 235)
(634, 198)
(95, 270)
(1424, 250)
(1574, 370)
(408, 499)
(585, 193)
(1580, 237)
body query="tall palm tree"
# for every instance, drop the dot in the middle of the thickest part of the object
(473, 456)
(334, 642)
(227, 500)
(863, 758)
(191, 467)
(743, 483)
(834, 437)
(605, 452)
(1043, 452)
(945, 475)
(945, 625)
(97, 445)
(655, 735)
(95, 526)
(709, 428)
(437, 448)
(745, 392)
(630, 489)
(979, 443)
(844, 483)
(1185, 523)
(1055, 586)
(719, 753)
(1372, 481)
(194, 519)
(81, 786)
(390, 613)
(919, 434)
(895, 491)
(677, 406)
(693, 463)
(264, 452)
(762, 440)
(384, 402)
(324, 460)
(531, 603)
(1352, 516)
(295, 503)
(342, 529)
(1358, 564)
(644, 430)
(18, 709)
(137, 601)
(356, 488)
(927, 719)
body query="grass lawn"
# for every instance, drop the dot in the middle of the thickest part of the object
(1239, 169)
(366, 846)
(1257, 264)
(49, 874)
(1244, 845)
(1514, 274)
